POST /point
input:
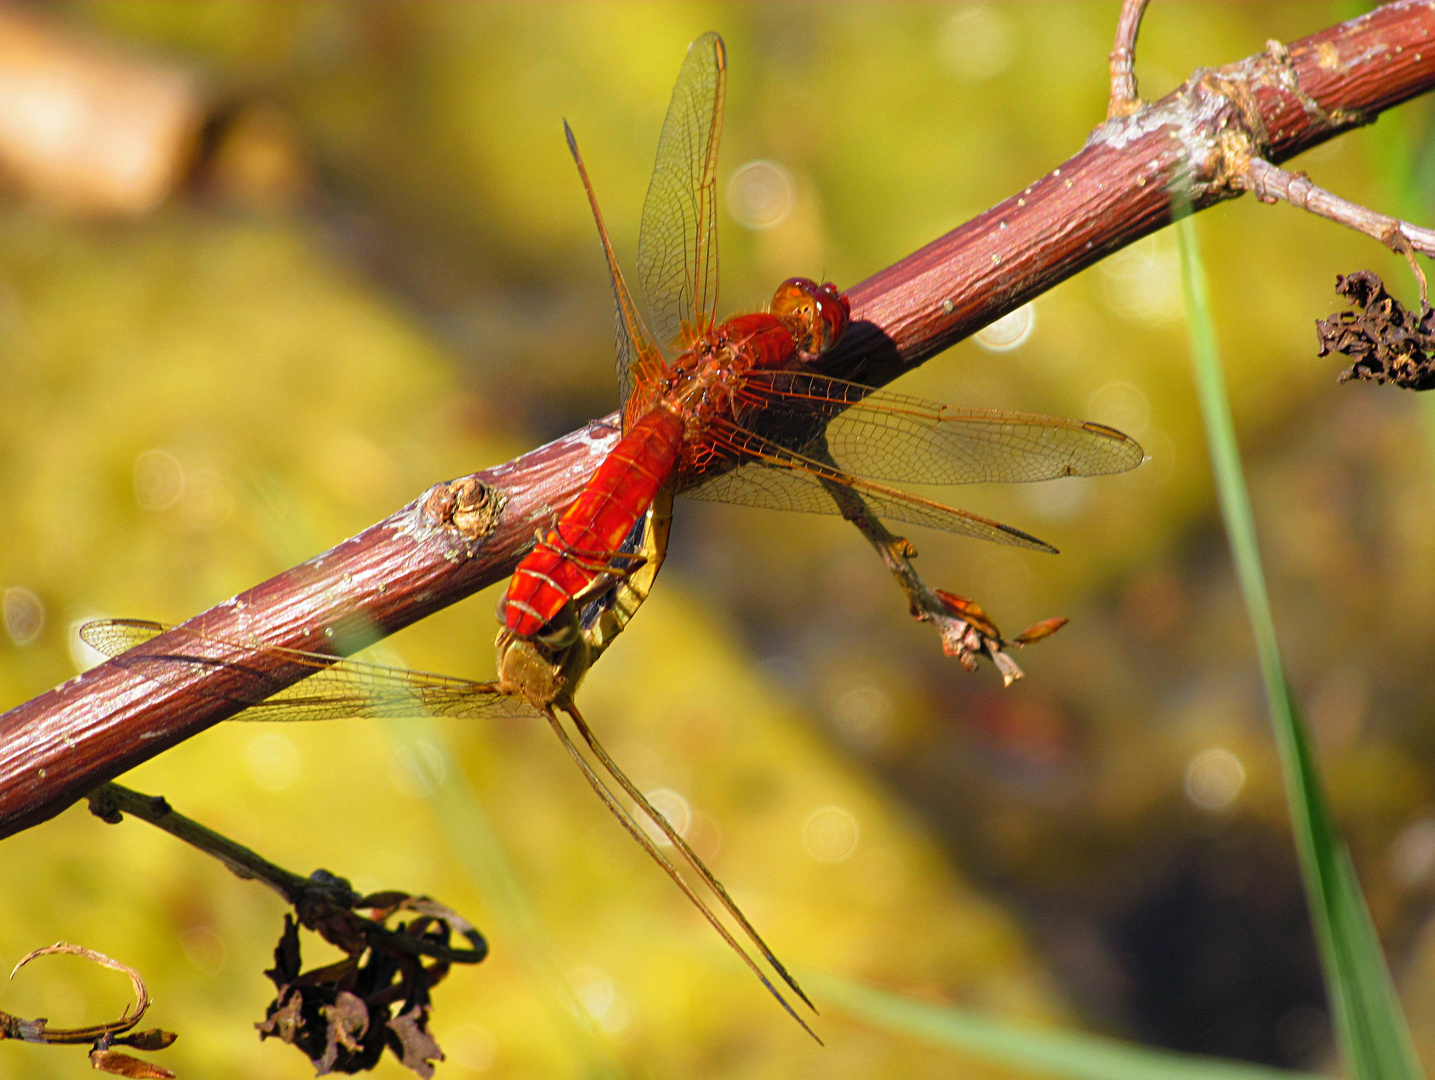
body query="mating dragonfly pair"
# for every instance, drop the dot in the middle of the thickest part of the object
(733, 411)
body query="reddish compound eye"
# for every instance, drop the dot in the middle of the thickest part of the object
(816, 314)
(835, 311)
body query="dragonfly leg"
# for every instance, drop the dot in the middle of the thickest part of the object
(966, 631)
(637, 832)
(615, 563)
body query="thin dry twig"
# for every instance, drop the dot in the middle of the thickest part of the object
(1124, 97)
(317, 899)
(1270, 183)
(102, 1037)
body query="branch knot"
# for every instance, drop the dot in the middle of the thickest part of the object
(466, 505)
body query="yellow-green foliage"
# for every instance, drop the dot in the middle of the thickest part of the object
(288, 397)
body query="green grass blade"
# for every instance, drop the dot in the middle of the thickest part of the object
(1369, 1024)
(1061, 1055)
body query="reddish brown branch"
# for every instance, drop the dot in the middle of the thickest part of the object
(460, 537)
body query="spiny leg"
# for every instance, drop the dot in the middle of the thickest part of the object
(676, 838)
(637, 832)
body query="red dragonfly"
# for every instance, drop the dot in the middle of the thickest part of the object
(734, 412)
(729, 411)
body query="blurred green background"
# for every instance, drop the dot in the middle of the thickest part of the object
(382, 273)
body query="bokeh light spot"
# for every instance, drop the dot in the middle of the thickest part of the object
(1121, 405)
(600, 999)
(1412, 853)
(830, 834)
(1143, 282)
(471, 1047)
(207, 498)
(1214, 778)
(1057, 500)
(863, 716)
(273, 761)
(760, 194)
(419, 769)
(976, 43)
(158, 480)
(672, 806)
(24, 614)
(1009, 332)
(204, 948)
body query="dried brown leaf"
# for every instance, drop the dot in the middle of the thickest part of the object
(1040, 631)
(420, 1049)
(1387, 341)
(118, 1064)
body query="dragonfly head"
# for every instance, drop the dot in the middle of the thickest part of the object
(816, 314)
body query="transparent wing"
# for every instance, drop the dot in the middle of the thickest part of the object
(775, 478)
(885, 436)
(677, 241)
(638, 358)
(333, 690)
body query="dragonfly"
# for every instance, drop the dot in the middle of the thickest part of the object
(732, 411)
(736, 411)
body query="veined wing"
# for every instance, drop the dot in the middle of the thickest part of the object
(776, 478)
(886, 436)
(335, 689)
(677, 241)
(638, 358)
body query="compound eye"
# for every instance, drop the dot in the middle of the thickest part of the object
(794, 299)
(834, 312)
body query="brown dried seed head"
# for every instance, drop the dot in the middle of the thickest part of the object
(1387, 341)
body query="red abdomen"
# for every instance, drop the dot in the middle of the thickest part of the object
(578, 549)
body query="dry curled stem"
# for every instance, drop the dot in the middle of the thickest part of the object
(102, 1037)
(339, 1015)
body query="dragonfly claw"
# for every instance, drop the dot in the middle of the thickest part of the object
(968, 633)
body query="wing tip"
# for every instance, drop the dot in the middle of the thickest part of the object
(1134, 455)
(1092, 426)
(90, 632)
(713, 39)
(1026, 540)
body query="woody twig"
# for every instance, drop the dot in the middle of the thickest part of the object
(1270, 183)
(1124, 97)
